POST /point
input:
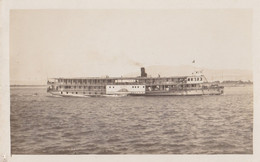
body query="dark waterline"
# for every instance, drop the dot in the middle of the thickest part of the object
(132, 125)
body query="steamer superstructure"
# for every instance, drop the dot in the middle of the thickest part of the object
(196, 84)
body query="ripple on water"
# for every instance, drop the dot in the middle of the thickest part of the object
(132, 125)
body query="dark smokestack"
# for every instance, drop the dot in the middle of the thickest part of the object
(143, 73)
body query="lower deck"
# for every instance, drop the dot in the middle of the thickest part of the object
(141, 90)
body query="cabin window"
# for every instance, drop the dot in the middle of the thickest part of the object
(191, 79)
(109, 86)
(67, 92)
(137, 86)
(132, 86)
(76, 92)
(113, 87)
(201, 79)
(188, 79)
(89, 92)
(60, 92)
(143, 86)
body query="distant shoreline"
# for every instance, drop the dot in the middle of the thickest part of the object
(28, 85)
(236, 85)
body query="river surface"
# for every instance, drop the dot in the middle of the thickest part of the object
(132, 125)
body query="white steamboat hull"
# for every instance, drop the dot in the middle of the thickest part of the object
(186, 93)
(148, 93)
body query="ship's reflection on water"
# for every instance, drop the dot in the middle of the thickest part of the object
(220, 124)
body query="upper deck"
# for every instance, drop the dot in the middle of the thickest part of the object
(144, 80)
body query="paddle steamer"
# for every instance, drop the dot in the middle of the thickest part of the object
(195, 84)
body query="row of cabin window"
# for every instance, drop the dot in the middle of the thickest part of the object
(77, 93)
(136, 86)
(132, 87)
(85, 81)
(195, 79)
(85, 87)
(111, 81)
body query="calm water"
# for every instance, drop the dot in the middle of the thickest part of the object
(132, 125)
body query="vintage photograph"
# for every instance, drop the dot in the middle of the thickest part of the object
(131, 81)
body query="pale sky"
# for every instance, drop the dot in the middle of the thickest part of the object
(84, 43)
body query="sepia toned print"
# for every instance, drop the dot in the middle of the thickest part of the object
(131, 81)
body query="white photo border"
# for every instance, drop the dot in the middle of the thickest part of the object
(7, 5)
